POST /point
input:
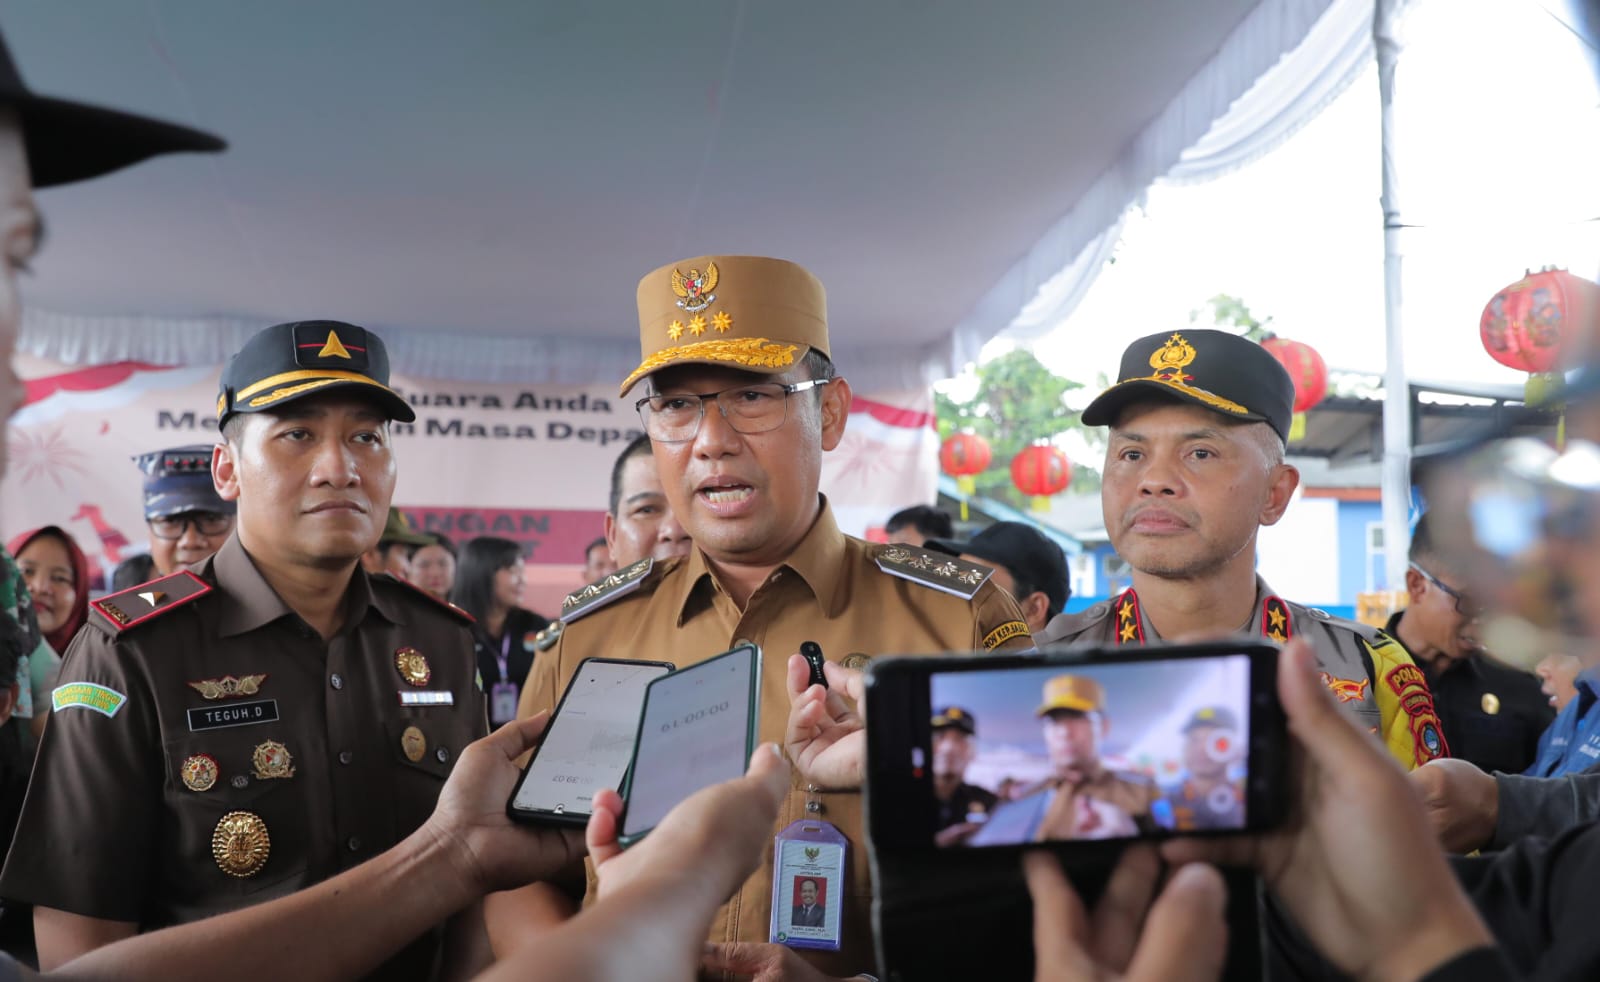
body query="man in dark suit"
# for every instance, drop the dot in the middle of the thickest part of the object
(808, 913)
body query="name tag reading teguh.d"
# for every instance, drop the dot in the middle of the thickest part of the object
(233, 714)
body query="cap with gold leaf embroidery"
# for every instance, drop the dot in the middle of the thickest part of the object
(1225, 373)
(746, 312)
(291, 361)
(955, 718)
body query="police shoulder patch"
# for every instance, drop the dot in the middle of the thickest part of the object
(933, 569)
(601, 592)
(136, 605)
(455, 611)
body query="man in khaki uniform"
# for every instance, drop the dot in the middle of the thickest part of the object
(233, 734)
(1194, 468)
(742, 404)
(1082, 798)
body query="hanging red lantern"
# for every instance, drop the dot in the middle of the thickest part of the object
(1524, 326)
(964, 456)
(1307, 371)
(1041, 471)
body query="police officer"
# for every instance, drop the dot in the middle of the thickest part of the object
(231, 734)
(187, 519)
(1194, 467)
(742, 401)
(1082, 798)
(1207, 798)
(960, 804)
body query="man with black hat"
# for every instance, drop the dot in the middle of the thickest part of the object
(1207, 798)
(742, 402)
(232, 734)
(1194, 467)
(962, 806)
(187, 519)
(1026, 565)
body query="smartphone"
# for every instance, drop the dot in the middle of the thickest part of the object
(698, 728)
(1000, 752)
(587, 743)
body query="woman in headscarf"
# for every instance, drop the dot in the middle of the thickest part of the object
(56, 572)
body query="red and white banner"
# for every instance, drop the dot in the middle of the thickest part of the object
(529, 463)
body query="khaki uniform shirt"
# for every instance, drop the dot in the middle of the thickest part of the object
(1373, 678)
(856, 600)
(308, 746)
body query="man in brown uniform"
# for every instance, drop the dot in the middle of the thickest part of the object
(231, 735)
(1082, 798)
(743, 402)
(1194, 468)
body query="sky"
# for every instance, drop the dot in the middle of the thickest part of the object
(1498, 137)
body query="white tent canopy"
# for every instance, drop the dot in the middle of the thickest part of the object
(485, 182)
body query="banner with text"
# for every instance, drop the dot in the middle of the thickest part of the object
(529, 463)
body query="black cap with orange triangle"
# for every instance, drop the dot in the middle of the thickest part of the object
(293, 361)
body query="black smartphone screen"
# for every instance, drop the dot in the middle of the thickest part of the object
(1018, 751)
(588, 742)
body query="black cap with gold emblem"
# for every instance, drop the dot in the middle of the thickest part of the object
(291, 361)
(1223, 372)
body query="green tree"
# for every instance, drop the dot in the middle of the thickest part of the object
(1018, 401)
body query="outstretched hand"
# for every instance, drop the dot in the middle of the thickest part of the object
(826, 736)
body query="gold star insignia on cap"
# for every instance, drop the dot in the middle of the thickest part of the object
(675, 330)
(333, 348)
(697, 325)
(722, 321)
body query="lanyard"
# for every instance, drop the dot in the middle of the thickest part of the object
(505, 652)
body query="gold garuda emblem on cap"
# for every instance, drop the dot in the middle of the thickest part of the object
(694, 291)
(1172, 358)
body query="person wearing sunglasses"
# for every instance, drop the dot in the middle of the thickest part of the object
(187, 520)
(1492, 714)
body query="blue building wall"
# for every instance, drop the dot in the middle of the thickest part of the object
(1354, 517)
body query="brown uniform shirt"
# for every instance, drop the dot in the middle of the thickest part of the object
(833, 591)
(114, 827)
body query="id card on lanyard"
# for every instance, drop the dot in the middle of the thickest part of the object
(808, 885)
(503, 693)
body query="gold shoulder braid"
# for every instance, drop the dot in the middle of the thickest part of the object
(933, 569)
(601, 592)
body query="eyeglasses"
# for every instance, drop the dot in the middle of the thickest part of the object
(205, 522)
(748, 409)
(1465, 605)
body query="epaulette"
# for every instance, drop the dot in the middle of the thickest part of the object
(601, 592)
(419, 591)
(942, 572)
(547, 638)
(136, 605)
(1371, 635)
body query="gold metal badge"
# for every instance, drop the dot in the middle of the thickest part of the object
(694, 291)
(240, 844)
(200, 772)
(272, 760)
(229, 686)
(1491, 703)
(413, 667)
(414, 744)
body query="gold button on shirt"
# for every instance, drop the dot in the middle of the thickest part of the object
(230, 708)
(831, 591)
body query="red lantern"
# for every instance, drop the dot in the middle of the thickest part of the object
(1041, 471)
(963, 456)
(1524, 326)
(1307, 371)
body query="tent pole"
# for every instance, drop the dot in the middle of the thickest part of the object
(1396, 401)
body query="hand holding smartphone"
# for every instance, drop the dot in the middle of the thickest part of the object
(587, 744)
